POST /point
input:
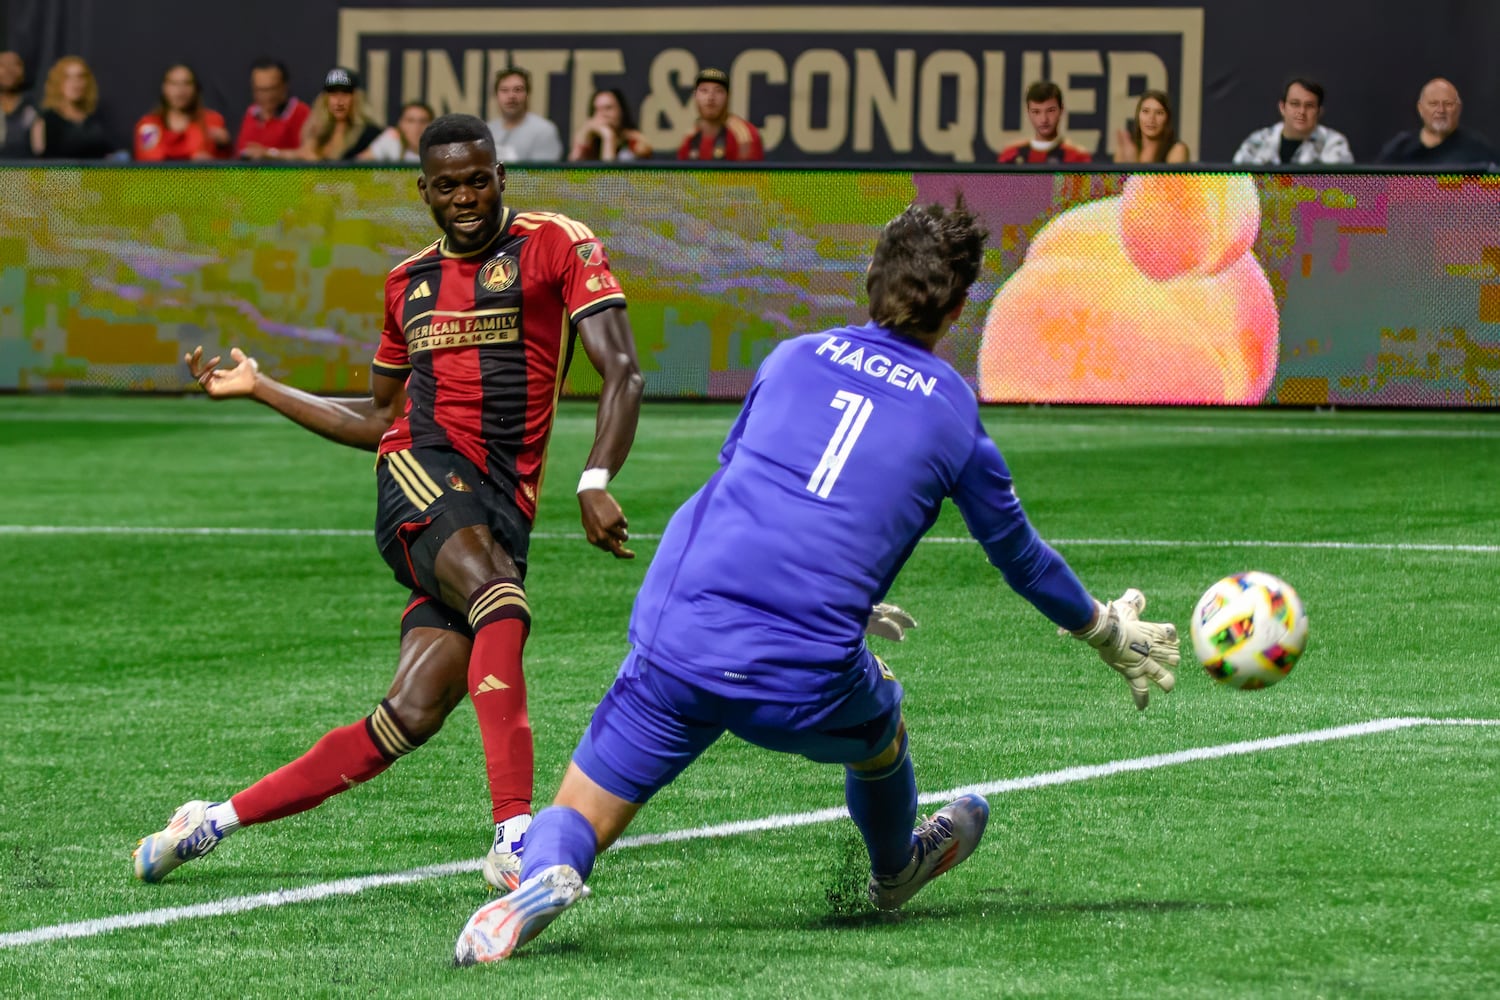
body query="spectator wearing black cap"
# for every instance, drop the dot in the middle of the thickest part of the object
(521, 135)
(718, 135)
(342, 124)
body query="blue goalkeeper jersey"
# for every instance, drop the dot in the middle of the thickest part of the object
(839, 462)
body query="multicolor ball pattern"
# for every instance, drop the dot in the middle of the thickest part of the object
(1249, 630)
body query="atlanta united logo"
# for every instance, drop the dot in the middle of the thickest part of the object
(499, 274)
(458, 484)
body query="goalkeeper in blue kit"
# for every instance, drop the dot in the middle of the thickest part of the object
(752, 616)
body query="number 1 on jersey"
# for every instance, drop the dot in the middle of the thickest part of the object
(856, 412)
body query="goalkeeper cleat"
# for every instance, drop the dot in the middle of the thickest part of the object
(188, 835)
(498, 928)
(939, 843)
(502, 866)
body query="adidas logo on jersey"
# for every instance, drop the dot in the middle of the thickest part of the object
(420, 292)
(491, 683)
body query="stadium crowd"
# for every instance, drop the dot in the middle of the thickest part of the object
(340, 124)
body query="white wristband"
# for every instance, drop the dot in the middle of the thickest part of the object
(593, 479)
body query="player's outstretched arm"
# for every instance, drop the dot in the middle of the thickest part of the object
(1142, 652)
(610, 345)
(358, 423)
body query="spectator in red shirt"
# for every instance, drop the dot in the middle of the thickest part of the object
(272, 126)
(719, 135)
(181, 128)
(1044, 106)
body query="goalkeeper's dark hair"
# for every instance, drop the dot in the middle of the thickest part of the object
(925, 261)
(451, 129)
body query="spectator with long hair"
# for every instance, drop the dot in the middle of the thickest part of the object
(181, 128)
(342, 124)
(17, 114)
(1152, 134)
(402, 141)
(70, 127)
(610, 132)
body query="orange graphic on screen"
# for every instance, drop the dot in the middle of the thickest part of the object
(1149, 297)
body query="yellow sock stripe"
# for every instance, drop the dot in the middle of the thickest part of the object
(388, 735)
(421, 474)
(498, 598)
(488, 598)
(401, 472)
(501, 597)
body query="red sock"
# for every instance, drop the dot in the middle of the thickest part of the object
(340, 760)
(501, 621)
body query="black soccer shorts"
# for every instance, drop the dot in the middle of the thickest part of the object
(424, 496)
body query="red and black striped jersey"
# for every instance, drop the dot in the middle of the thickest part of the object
(484, 339)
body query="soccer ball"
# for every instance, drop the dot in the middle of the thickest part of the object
(1249, 629)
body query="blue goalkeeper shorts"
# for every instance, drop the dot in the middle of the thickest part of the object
(651, 725)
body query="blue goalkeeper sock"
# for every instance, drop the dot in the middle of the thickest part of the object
(883, 804)
(559, 836)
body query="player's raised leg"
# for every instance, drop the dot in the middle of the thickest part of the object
(430, 681)
(447, 528)
(472, 563)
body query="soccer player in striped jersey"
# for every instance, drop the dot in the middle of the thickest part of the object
(479, 330)
(751, 617)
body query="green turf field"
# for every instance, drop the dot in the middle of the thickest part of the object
(143, 666)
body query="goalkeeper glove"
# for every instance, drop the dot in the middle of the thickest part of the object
(1140, 651)
(889, 622)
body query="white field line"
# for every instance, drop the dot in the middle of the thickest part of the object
(351, 886)
(24, 530)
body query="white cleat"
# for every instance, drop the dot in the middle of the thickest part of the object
(187, 835)
(497, 929)
(502, 866)
(942, 842)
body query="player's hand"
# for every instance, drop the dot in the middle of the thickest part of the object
(1142, 652)
(222, 383)
(604, 523)
(889, 622)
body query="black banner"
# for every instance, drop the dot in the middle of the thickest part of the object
(856, 82)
